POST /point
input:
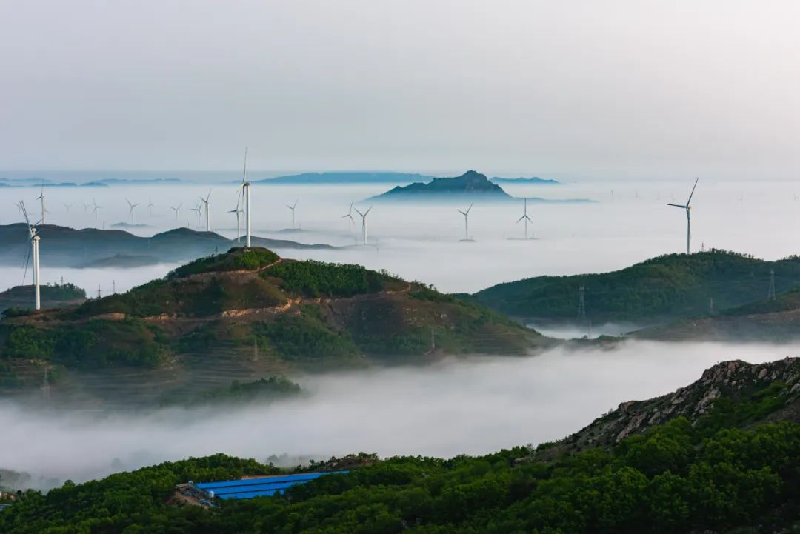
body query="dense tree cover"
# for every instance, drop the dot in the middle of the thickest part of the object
(261, 390)
(97, 343)
(674, 478)
(236, 259)
(677, 285)
(319, 279)
(66, 291)
(469, 182)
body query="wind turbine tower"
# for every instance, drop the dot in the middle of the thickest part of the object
(364, 224)
(32, 231)
(466, 223)
(688, 209)
(246, 192)
(525, 216)
(207, 206)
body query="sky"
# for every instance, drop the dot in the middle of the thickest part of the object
(627, 89)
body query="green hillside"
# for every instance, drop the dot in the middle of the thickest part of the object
(689, 474)
(247, 314)
(661, 288)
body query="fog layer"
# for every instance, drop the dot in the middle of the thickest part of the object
(474, 406)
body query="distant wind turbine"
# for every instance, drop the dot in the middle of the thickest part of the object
(688, 209)
(96, 208)
(150, 207)
(292, 208)
(86, 207)
(177, 210)
(207, 206)
(198, 210)
(238, 211)
(41, 199)
(132, 206)
(67, 206)
(466, 223)
(363, 224)
(525, 216)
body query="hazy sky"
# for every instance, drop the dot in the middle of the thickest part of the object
(590, 87)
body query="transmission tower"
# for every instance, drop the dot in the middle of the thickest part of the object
(582, 304)
(771, 293)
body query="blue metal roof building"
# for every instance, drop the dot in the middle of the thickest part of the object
(256, 487)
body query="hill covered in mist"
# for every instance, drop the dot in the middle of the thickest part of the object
(246, 314)
(716, 456)
(91, 247)
(657, 290)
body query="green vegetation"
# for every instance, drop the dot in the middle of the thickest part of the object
(48, 292)
(672, 286)
(98, 343)
(261, 390)
(318, 279)
(305, 337)
(673, 478)
(470, 182)
(236, 259)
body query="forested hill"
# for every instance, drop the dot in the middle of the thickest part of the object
(698, 472)
(471, 183)
(247, 314)
(658, 289)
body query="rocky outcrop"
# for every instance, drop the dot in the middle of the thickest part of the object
(736, 381)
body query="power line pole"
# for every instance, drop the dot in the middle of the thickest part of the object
(582, 304)
(98, 291)
(771, 293)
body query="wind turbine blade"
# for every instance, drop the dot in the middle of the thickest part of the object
(692, 193)
(27, 261)
(677, 205)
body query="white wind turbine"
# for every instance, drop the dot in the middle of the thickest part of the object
(245, 187)
(363, 224)
(177, 210)
(86, 207)
(132, 206)
(688, 209)
(96, 208)
(525, 216)
(466, 223)
(238, 212)
(67, 206)
(198, 210)
(349, 215)
(40, 198)
(207, 206)
(292, 209)
(150, 206)
(34, 253)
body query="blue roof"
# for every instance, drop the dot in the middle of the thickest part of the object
(258, 487)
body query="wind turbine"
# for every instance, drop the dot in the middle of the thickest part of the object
(364, 224)
(198, 210)
(206, 203)
(67, 206)
(86, 207)
(177, 210)
(41, 199)
(292, 208)
(238, 211)
(349, 214)
(96, 208)
(466, 223)
(688, 209)
(525, 216)
(32, 231)
(150, 207)
(131, 205)
(246, 193)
